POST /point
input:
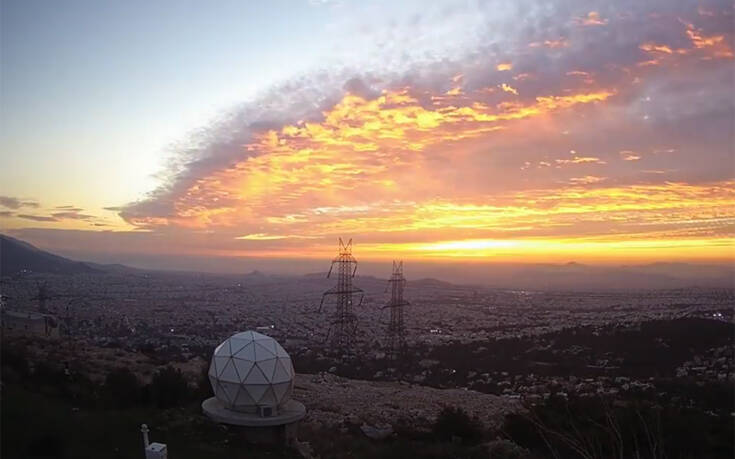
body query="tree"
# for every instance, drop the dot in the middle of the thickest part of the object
(454, 422)
(168, 387)
(122, 388)
(203, 385)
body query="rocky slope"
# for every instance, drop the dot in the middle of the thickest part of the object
(334, 402)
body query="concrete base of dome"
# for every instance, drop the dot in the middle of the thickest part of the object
(290, 412)
(278, 429)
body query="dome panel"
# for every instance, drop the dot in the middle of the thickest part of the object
(243, 367)
(281, 373)
(268, 398)
(230, 389)
(218, 349)
(244, 398)
(246, 335)
(259, 336)
(219, 363)
(288, 365)
(262, 352)
(247, 352)
(221, 394)
(256, 391)
(237, 344)
(271, 345)
(267, 367)
(280, 351)
(256, 376)
(281, 391)
(229, 374)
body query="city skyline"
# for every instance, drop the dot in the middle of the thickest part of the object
(489, 131)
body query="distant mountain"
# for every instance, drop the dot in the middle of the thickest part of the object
(576, 276)
(431, 282)
(16, 256)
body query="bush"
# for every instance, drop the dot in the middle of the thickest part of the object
(506, 449)
(454, 422)
(168, 388)
(597, 428)
(15, 357)
(47, 445)
(203, 389)
(122, 388)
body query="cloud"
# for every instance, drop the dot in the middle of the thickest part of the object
(68, 213)
(592, 19)
(71, 215)
(586, 180)
(69, 208)
(38, 218)
(628, 155)
(551, 44)
(580, 160)
(443, 143)
(16, 203)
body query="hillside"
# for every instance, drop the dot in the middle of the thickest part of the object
(16, 256)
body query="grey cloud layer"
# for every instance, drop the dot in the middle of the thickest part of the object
(689, 111)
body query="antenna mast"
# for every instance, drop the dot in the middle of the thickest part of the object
(344, 325)
(396, 327)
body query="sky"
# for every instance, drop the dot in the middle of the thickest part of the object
(451, 131)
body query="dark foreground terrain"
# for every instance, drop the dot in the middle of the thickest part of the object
(661, 389)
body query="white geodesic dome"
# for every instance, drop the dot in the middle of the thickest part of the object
(250, 370)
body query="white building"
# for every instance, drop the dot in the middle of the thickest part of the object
(252, 377)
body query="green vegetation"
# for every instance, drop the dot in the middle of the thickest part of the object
(454, 423)
(122, 389)
(48, 412)
(596, 427)
(36, 425)
(169, 388)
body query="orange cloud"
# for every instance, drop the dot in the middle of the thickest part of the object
(706, 47)
(654, 48)
(508, 88)
(586, 180)
(551, 44)
(628, 155)
(580, 160)
(716, 45)
(592, 19)
(413, 169)
(329, 160)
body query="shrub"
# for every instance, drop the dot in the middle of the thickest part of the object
(122, 388)
(203, 388)
(168, 387)
(454, 422)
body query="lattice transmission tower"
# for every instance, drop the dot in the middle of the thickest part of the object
(344, 324)
(396, 328)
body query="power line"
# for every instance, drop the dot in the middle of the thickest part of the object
(344, 323)
(396, 332)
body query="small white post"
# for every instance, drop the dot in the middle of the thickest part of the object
(144, 429)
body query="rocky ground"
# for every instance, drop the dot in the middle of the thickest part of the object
(333, 402)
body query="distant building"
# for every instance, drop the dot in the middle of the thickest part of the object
(29, 323)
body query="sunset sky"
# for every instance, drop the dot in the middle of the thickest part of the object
(513, 131)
